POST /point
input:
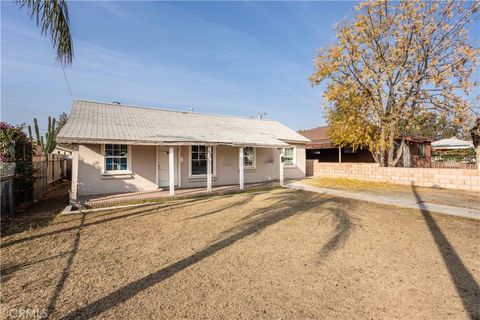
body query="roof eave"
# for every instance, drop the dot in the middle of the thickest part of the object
(280, 144)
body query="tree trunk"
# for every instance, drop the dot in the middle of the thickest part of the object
(375, 155)
(391, 150)
(477, 152)
(394, 162)
(382, 157)
(406, 156)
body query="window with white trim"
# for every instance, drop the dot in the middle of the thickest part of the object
(198, 160)
(249, 155)
(289, 156)
(116, 157)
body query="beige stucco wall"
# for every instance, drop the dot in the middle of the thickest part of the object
(143, 167)
(227, 172)
(90, 165)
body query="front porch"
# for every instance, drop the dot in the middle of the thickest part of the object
(109, 172)
(103, 200)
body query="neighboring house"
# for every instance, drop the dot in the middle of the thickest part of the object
(63, 151)
(118, 148)
(452, 144)
(453, 153)
(321, 148)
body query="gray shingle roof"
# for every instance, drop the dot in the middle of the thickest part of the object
(95, 122)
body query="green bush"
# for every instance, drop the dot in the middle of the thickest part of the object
(459, 155)
(16, 147)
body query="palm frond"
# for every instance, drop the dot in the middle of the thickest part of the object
(52, 17)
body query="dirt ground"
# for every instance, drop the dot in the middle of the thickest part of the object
(456, 198)
(281, 254)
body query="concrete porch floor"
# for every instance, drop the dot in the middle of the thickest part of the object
(121, 198)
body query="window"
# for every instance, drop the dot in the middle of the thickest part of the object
(199, 160)
(422, 148)
(249, 157)
(116, 157)
(289, 156)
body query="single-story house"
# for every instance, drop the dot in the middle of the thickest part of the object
(321, 148)
(119, 148)
(453, 153)
(452, 143)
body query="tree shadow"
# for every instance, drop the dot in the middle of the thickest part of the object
(38, 214)
(342, 231)
(140, 212)
(287, 205)
(465, 284)
(248, 199)
(66, 270)
(8, 270)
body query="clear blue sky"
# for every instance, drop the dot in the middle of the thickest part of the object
(236, 58)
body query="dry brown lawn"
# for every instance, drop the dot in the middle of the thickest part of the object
(281, 254)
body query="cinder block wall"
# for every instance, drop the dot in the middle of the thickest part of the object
(462, 179)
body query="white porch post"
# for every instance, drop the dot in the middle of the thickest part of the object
(280, 161)
(171, 169)
(241, 168)
(209, 169)
(339, 155)
(74, 188)
(179, 167)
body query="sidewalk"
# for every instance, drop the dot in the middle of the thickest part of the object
(392, 200)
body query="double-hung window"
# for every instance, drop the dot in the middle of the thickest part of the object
(289, 156)
(423, 150)
(249, 157)
(116, 157)
(198, 164)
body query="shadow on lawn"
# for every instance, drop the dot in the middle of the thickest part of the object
(465, 284)
(287, 204)
(248, 198)
(66, 270)
(38, 214)
(136, 212)
(8, 270)
(342, 231)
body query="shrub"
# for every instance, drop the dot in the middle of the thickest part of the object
(16, 147)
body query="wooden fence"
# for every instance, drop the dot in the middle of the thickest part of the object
(59, 168)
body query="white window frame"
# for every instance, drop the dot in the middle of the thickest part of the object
(112, 172)
(254, 162)
(294, 160)
(214, 169)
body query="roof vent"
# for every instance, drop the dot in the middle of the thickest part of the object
(191, 109)
(116, 102)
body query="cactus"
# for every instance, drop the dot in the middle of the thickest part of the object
(47, 145)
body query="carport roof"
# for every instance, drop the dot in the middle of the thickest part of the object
(97, 122)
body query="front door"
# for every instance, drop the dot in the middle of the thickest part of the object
(163, 166)
(162, 163)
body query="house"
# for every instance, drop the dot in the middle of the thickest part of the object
(452, 143)
(62, 150)
(453, 153)
(321, 148)
(119, 148)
